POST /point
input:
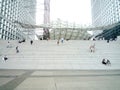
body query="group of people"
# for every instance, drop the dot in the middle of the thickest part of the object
(62, 40)
(20, 41)
(5, 58)
(104, 61)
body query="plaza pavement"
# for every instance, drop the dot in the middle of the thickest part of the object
(59, 80)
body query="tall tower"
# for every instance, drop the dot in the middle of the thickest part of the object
(13, 13)
(46, 33)
(106, 12)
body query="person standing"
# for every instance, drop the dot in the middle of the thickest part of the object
(16, 47)
(31, 42)
(92, 48)
(58, 42)
(62, 40)
(17, 51)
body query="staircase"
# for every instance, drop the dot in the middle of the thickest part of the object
(70, 55)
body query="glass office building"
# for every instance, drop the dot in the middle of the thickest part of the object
(106, 12)
(14, 14)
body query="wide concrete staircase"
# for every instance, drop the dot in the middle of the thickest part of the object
(70, 55)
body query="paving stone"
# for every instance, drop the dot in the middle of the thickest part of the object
(4, 80)
(37, 84)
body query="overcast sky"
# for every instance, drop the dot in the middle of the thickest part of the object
(78, 11)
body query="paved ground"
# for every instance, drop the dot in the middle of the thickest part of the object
(59, 80)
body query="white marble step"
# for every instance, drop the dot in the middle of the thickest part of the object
(69, 55)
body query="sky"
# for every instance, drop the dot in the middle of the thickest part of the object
(74, 11)
(78, 11)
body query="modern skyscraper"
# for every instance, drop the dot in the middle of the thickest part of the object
(14, 14)
(106, 12)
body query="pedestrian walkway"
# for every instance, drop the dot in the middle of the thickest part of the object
(60, 80)
(70, 55)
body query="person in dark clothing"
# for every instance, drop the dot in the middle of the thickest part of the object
(5, 58)
(106, 62)
(16, 47)
(20, 41)
(31, 42)
(108, 40)
(17, 51)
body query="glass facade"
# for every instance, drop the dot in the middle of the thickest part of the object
(12, 14)
(105, 12)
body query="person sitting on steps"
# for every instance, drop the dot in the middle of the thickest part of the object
(5, 58)
(106, 62)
